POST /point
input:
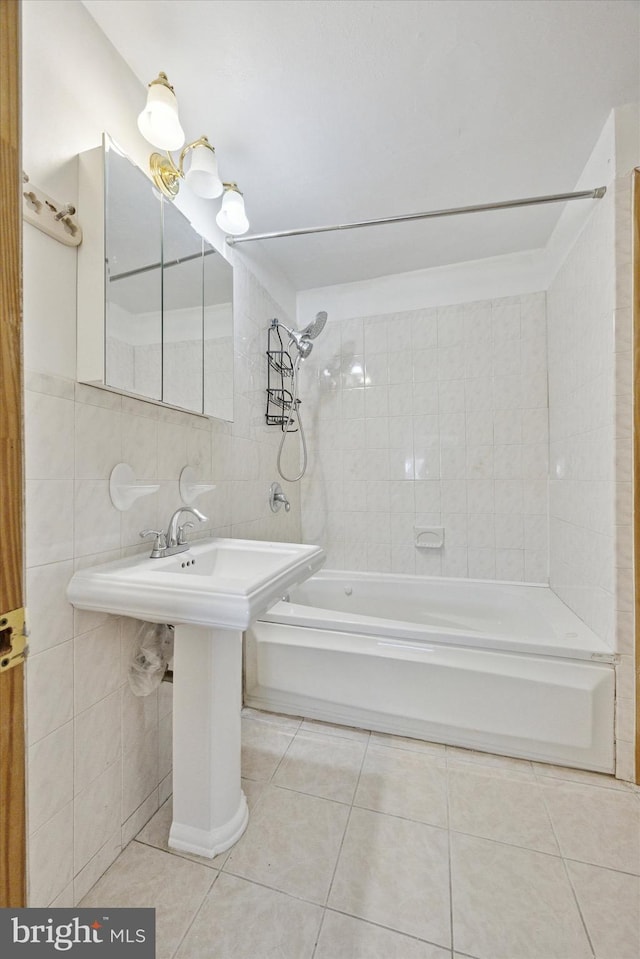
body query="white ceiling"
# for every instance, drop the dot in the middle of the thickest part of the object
(327, 111)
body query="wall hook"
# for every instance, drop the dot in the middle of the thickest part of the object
(49, 216)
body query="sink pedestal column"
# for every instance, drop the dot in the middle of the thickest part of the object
(209, 808)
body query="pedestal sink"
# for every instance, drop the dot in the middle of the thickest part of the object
(210, 593)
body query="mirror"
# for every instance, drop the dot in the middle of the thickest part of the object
(133, 281)
(182, 312)
(164, 330)
(218, 335)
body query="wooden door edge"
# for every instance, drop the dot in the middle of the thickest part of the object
(636, 451)
(12, 726)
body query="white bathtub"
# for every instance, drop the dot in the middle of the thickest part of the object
(501, 667)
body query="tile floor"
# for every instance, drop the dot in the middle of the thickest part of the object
(365, 846)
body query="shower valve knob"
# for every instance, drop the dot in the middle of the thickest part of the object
(278, 499)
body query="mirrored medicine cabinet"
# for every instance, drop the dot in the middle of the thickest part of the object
(155, 299)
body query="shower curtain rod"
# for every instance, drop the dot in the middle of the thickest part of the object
(596, 194)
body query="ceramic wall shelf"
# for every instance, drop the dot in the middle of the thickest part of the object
(124, 490)
(190, 489)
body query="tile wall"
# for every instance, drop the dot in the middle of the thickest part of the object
(99, 757)
(433, 417)
(590, 412)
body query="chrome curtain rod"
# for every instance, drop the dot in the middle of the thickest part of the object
(596, 194)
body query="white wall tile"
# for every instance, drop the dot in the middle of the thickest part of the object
(51, 858)
(98, 441)
(165, 700)
(97, 740)
(97, 815)
(481, 530)
(428, 497)
(65, 899)
(96, 664)
(375, 335)
(478, 395)
(510, 564)
(140, 445)
(140, 771)
(424, 329)
(453, 464)
(97, 865)
(428, 562)
(509, 530)
(49, 521)
(132, 826)
(138, 714)
(49, 690)
(172, 450)
(96, 521)
(49, 450)
(49, 268)
(455, 391)
(50, 776)
(480, 496)
(479, 428)
(536, 532)
(452, 397)
(481, 563)
(50, 615)
(455, 562)
(588, 323)
(507, 426)
(509, 497)
(165, 746)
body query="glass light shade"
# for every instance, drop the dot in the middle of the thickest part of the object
(231, 217)
(158, 123)
(202, 176)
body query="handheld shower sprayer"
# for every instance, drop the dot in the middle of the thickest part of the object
(303, 341)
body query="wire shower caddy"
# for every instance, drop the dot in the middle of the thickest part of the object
(279, 372)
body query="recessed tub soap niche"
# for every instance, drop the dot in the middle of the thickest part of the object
(501, 667)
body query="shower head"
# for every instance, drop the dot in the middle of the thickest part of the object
(302, 338)
(316, 326)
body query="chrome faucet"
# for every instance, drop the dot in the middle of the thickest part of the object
(173, 541)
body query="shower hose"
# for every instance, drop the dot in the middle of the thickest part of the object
(294, 410)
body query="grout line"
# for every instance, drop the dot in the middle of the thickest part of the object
(395, 815)
(610, 782)
(275, 889)
(566, 872)
(346, 828)
(597, 865)
(319, 933)
(302, 792)
(270, 781)
(509, 845)
(195, 914)
(393, 929)
(450, 858)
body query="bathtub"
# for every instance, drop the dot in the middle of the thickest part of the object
(502, 667)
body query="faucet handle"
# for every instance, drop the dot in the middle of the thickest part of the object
(160, 535)
(181, 529)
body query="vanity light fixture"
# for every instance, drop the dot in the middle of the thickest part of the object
(160, 125)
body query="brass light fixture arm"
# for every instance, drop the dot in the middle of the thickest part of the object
(202, 142)
(164, 171)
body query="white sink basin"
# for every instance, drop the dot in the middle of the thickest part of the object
(218, 582)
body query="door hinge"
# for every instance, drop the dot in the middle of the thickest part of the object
(13, 639)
